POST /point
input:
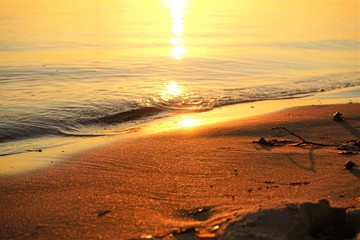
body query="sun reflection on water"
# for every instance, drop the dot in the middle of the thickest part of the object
(177, 11)
(172, 91)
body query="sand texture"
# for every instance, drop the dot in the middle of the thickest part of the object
(203, 182)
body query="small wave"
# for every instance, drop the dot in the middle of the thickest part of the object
(71, 128)
(25, 131)
(29, 132)
(182, 102)
(126, 116)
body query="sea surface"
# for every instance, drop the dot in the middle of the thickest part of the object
(96, 67)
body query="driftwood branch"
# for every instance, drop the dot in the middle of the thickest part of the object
(299, 137)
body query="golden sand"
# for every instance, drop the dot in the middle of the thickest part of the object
(191, 181)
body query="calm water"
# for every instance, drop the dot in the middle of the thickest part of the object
(83, 67)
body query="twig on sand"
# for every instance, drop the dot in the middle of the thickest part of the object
(302, 139)
(271, 142)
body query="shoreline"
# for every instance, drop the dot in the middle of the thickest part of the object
(173, 183)
(65, 149)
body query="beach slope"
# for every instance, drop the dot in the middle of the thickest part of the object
(199, 181)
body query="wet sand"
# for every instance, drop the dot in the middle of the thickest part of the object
(199, 181)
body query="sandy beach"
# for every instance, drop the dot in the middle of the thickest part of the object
(207, 182)
(180, 119)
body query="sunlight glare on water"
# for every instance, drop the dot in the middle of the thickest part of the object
(177, 10)
(173, 90)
